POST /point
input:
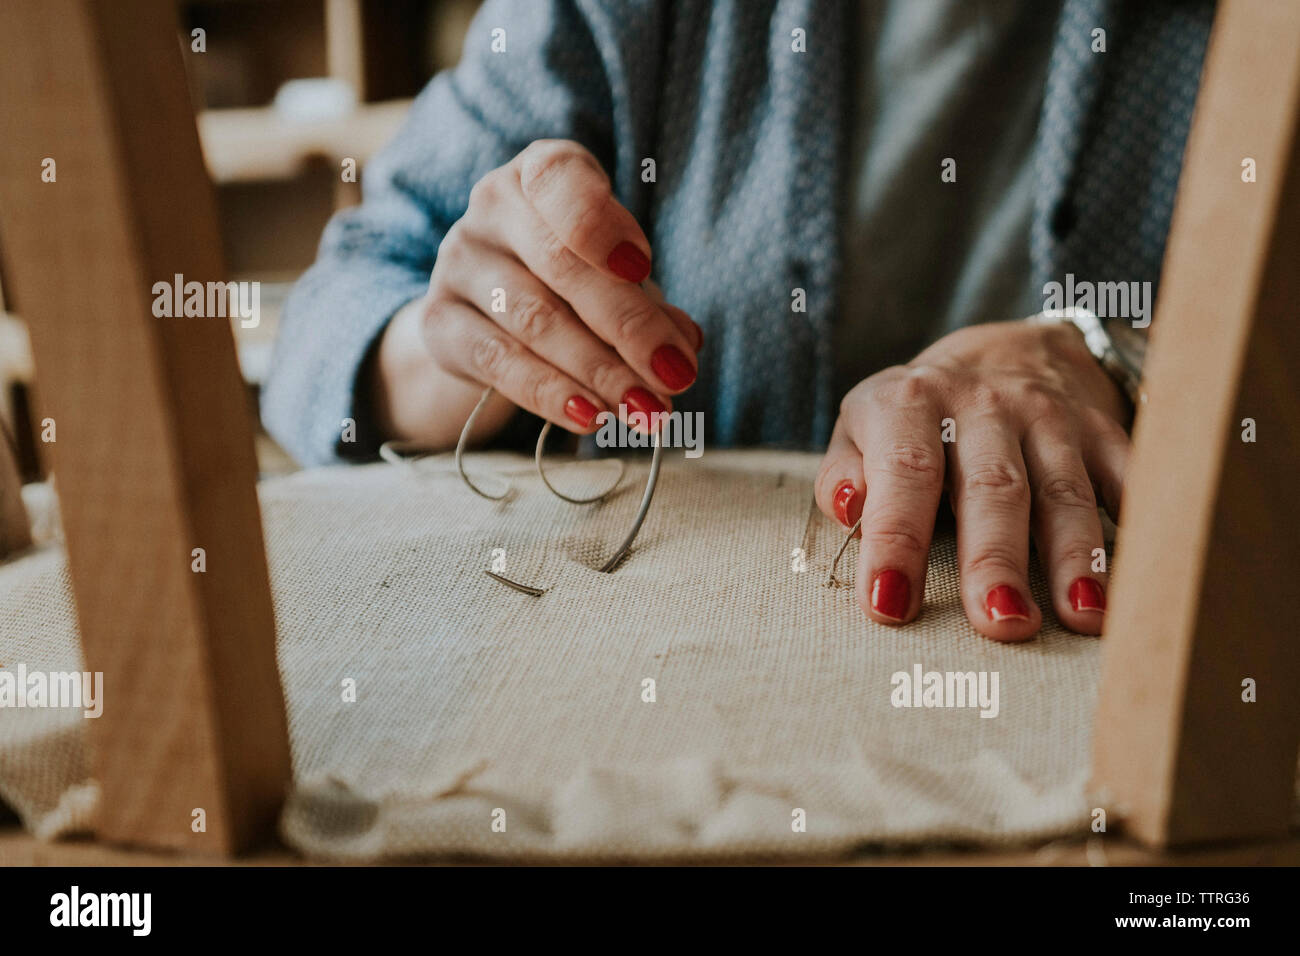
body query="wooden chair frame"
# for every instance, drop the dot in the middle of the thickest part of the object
(154, 456)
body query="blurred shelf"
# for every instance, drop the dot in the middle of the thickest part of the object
(15, 350)
(257, 144)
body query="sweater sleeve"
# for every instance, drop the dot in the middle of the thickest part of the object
(530, 70)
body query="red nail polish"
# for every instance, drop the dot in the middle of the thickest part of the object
(1087, 595)
(581, 412)
(628, 262)
(847, 503)
(1005, 603)
(891, 594)
(639, 400)
(673, 368)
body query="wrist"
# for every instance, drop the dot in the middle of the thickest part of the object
(1116, 347)
(414, 398)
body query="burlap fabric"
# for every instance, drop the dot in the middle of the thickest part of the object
(476, 704)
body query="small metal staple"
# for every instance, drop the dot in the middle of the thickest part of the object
(535, 592)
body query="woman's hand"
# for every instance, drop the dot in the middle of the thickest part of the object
(1036, 426)
(535, 292)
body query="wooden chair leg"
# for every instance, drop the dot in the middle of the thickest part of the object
(15, 531)
(154, 456)
(1197, 729)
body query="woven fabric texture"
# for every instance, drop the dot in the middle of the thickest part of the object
(475, 703)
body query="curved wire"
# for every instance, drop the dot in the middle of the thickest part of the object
(651, 481)
(464, 440)
(541, 442)
(832, 581)
(391, 452)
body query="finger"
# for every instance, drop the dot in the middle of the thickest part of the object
(688, 326)
(569, 189)
(840, 488)
(1067, 528)
(623, 315)
(903, 464)
(990, 495)
(1105, 454)
(470, 346)
(685, 323)
(508, 294)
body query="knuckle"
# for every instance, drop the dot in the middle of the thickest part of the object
(436, 309)
(854, 397)
(440, 283)
(1077, 551)
(912, 461)
(434, 320)
(558, 260)
(490, 356)
(909, 388)
(485, 193)
(986, 398)
(587, 222)
(453, 243)
(1032, 389)
(537, 389)
(993, 559)
(605, 375)
(535, 148)
(995, 478)
(547, 146)
(544, 166)
(1066, 490)
(632, 320)
(893, 534)
(534, 317)
(1040, 402)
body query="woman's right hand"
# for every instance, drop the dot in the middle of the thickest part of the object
(535, 292)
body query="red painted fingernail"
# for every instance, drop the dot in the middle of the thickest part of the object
(1087, 595)
(1004, 603)
(639, 400)
(847, 503)
(581, 411)
(891, 594)
(628, 262)
(673, 368)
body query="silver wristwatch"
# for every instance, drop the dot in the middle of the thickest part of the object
(1114, 343)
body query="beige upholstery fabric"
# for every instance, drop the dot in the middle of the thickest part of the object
(772, 692)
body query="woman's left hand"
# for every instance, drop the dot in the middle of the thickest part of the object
(1022, 427)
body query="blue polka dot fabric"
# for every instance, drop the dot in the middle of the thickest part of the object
(742, 105)
(1111, 137)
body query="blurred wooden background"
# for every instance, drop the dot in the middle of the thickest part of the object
(276, 166)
